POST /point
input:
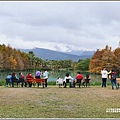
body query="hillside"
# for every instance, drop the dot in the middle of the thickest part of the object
(55, 55)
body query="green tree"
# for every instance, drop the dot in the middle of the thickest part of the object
(83, 64)
(1, 60)
(31, 58)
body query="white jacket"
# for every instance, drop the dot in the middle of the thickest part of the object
(70, 78)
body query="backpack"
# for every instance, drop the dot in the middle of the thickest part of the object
(113, 76)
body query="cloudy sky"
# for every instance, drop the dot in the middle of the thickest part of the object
(61, 25)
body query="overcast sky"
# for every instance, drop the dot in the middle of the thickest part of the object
(60, 25)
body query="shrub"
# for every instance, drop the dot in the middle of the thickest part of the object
(51, 82)
(2, 82)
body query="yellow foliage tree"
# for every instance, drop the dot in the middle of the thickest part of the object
(12, 63)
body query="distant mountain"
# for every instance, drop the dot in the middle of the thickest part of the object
(55, 55)
(82, 52)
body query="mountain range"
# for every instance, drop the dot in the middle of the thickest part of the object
(47, 54)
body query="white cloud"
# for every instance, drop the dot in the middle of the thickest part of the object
(62, 26)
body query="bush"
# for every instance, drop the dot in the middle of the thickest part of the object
(92, 83)
(51, 83)
(2, 82)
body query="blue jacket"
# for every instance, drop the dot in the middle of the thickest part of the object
(9, 77)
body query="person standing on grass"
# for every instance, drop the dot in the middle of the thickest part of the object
(104, 74)
(45, 75)
(59, 82)
(113, 79)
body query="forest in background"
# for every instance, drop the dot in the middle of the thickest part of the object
(12, 59)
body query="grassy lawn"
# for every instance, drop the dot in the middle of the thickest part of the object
(54, 102)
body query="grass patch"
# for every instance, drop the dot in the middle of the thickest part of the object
(54, 102)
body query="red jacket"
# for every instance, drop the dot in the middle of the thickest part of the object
(29, 76)
(79, 76)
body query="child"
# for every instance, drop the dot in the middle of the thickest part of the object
(59, 82)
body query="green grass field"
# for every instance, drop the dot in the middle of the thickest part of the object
(54, 102)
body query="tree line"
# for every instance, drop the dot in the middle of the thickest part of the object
(12, 59)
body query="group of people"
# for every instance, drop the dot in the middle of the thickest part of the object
(72, 82)
(13, 76)
(109, 75)
(21, 78)
(45, 76)
(67, 79)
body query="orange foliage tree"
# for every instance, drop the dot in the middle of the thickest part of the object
(12, 59)
(104, 58)
(117, 54)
